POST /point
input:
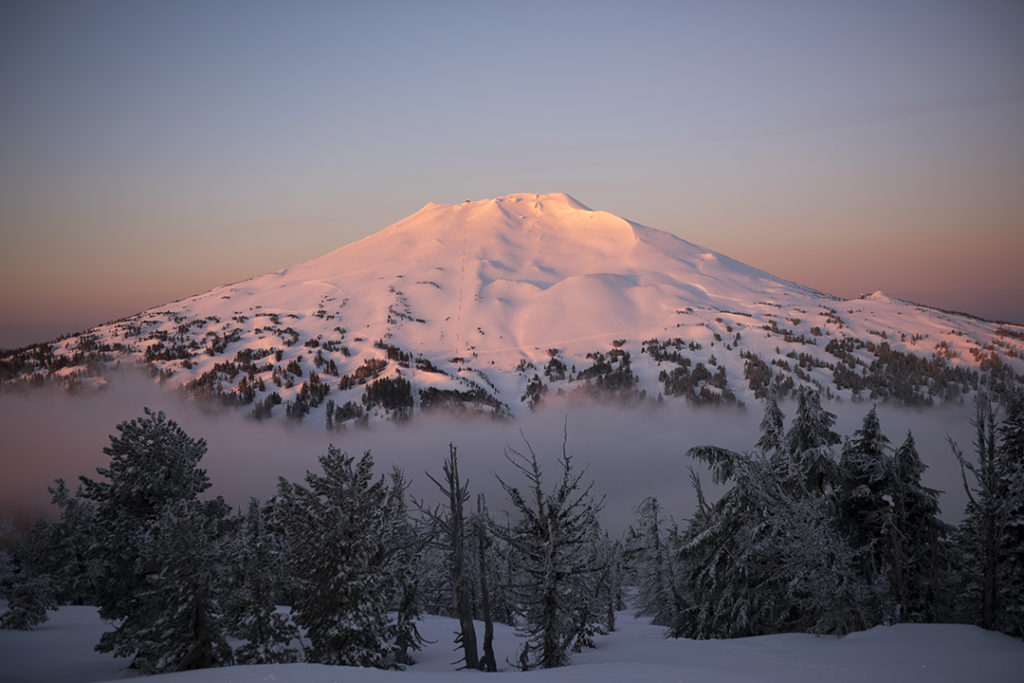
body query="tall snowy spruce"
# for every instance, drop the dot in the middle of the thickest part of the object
(809, 461)
(157, 546)
(406, 543)
(1011, 448)
(250, 612)
(451, 525)
(768, 556)
(652, 560)
(339, 525)
(51, 565)
(919, 553)
(865, 510)
(991, 536)
(31, 593)
(552, 567)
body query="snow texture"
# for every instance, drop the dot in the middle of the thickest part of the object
(60, 651)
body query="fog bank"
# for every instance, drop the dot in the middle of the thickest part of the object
(630, 453)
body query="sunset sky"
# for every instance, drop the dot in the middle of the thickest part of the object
(152, 150)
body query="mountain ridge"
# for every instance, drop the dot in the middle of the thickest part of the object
(495, 304)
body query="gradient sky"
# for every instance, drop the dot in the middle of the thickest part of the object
(152, 150)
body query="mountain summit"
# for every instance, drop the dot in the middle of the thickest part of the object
(497, 304)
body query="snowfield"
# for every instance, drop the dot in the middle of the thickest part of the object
(60, 651)
(475, 305)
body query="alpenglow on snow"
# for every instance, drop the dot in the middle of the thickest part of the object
(501, 305)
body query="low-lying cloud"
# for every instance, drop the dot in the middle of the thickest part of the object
(630, 453)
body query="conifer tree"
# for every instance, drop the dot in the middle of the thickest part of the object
(250, 612)
(70, 564)
(865, 509)
(1011, 450)
(479, 525)
(991, 536)
(339, 523)
(30, 594)
(156, 545)
(405, 562)
(452, 525)
(981, 527)
(772, 427)
(653, 566)
(808, 444)
(183, 629)
(917, 547)
(547, 548)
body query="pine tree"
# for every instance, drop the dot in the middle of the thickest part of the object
(30, 595)
(767, 557)
(452, 524)
(1011, 450)
(808, 445)
(917, 546)
(479, 525)
(772, 427)
(70, 565)
(155, 545)
(182, 629)
(991, 536)
(250, 612)
(405, 561)
(653, 566)
(547, 549)
(980, 529)
(344, 590)
(865, 509)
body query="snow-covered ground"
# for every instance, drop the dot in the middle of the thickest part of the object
(60, 651)
(478, 297)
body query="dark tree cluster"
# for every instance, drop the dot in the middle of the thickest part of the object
(455, 401)
(696, 385)
(370, 369)
(311, 394)
(827, 535)
(609, 375)
(393, 394)
(338, 415)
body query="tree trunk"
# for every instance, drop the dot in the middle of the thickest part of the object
(488, 662)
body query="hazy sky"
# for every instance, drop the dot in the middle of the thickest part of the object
(151, 150)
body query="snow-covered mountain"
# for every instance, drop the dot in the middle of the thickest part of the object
(498, 304)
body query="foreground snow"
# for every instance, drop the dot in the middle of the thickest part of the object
(61, 652)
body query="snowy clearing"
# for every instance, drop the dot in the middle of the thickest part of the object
(60, 651)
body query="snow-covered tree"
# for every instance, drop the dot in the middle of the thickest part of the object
(406, 543)
(772, 425)
(339, 524)
(808, 444)
(250, 612)
(991, 534)
(182, 627)
(480, 524)
(451, 523)
(156, 545)
(919, 562)
(767, 557)
(652, 564)
(1011, 449)
(30, 594)
(548, 550)
(865, 511)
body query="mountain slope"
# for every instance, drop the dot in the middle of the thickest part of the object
(496, 304)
